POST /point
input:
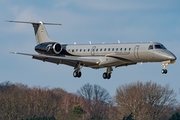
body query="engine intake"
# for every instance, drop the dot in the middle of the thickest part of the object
(49, 48)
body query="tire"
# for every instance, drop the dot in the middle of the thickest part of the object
(164, 71)
(109, 76)
(79, 74)
(105, 75)
(75, 74)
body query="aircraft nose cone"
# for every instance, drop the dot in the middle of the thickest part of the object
(172, 57)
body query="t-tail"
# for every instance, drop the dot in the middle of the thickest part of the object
(40, 31)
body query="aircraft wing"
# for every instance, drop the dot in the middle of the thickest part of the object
(71, 61)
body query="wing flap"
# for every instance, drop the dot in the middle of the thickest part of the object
(63, 60)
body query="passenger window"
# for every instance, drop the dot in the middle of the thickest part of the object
(124, 49)
(80, 50)
(129, 49)
(150, 47)
(96, 49)
(116, 49)
(101, 49)
(121, 49)
(109, 49)
(112, 49)
(76, 50)
(104, 49)
(84, 50)
(72, 50)
(88, 50)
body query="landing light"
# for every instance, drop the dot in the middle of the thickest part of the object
(97, 62)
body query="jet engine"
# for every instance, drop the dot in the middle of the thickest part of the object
(49, 48)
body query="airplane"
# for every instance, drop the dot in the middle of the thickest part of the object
(96, 56)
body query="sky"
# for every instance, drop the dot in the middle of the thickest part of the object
(83, 21)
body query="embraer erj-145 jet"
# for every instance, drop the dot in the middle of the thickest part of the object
(96, 55)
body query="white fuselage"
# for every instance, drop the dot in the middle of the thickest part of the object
(120, 54)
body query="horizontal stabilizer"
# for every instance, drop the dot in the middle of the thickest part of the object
(39, 30)
(33, 22)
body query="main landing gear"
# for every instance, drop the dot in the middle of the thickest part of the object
(77, 70)
(107, 74)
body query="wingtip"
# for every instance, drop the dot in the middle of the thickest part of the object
(13, 52)
(7, 21)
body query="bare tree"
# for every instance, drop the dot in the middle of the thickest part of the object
(145, 101)
(17, 101)
(12, 105)
(97, 100)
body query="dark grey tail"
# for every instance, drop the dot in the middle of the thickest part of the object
(40, 30)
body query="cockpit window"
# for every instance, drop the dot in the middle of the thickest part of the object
(150, 47)
(159, 46)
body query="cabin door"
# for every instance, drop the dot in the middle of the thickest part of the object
(136, 52)
(93, 50)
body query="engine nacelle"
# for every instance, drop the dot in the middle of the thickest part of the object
(49, 48)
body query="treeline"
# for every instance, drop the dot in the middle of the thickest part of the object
(134, 101)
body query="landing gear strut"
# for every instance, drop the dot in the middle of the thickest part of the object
(164, 71)
(77, 70)
(107, 74)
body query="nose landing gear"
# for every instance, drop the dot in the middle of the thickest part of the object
(164, 64)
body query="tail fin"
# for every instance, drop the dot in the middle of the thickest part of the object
(40, 31)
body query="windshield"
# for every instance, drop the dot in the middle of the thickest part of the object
(150, 47)
(160, 46)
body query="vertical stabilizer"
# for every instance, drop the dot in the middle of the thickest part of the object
(39, 29)
(41, 33)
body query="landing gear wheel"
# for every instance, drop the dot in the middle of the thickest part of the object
(109, 76)
(106, 75)
(77, 74)
(164, 71)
